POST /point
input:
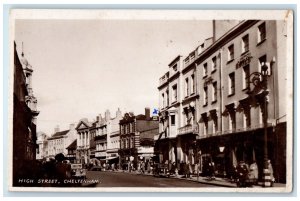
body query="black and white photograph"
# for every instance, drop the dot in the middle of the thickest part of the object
(151, 100)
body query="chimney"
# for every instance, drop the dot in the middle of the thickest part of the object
(118, 113)
(147, 113)
(72, 126)
(107, 115)
(56, 129)
(214, 30)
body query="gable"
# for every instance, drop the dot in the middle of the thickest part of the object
(82, 125)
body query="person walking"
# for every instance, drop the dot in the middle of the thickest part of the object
(253, 174)
(270, 168)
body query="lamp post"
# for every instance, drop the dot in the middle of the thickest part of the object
(260, 81)
(221, 149)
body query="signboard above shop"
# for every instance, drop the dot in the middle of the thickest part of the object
(244, 60)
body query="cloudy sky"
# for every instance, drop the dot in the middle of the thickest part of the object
(83, 67)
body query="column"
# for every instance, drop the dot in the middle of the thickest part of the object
(85, 139)
(88, 139)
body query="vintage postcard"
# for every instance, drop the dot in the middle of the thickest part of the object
(151, 100)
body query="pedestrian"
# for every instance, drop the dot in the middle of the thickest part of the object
(253, 174)
(211, 166)
(143, 167)
(190, 169)
(270, 168)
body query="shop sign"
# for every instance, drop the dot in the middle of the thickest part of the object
(244, 60)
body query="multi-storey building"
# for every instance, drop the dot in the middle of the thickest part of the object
(136, 138)
(113, 138)
(169, 112)
(71, 156)
(106, 132)
(83, 141)
(60, 140)
(178, 125)
(229, 109)
(24, 119)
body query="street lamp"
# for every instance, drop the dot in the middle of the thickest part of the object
(260, 81)
(221, 149)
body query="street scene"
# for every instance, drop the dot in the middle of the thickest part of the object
(151, 103)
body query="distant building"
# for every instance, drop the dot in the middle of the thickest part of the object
(24, 119)
(83, 141)
(137, 138)
(42, 143)
(105, 133)
(71, 156)
(60, 140)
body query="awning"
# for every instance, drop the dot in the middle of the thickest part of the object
(110, 158)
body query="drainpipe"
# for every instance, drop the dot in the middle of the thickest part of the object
(221, 90)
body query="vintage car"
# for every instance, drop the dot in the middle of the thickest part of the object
(77, 171)
(161, 170)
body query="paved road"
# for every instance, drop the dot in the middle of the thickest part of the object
(121, 179)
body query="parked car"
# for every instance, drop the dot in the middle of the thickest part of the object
(161, 170)
(77, 171)
(95, 168)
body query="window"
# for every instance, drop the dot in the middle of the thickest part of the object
(261, 32)
(186, 86)
(172, 120)
(175, 67)
(192, 84)
(214, 64)
(245, 43)
(231, 83)
(261, 61)
(204, 69)
(174, 88)
(230, 52)
(247, 118)
(186, 61)
(132, 142)
(215, 125)
(167, 94)
(163, 100)
(214, 92)
(205, 97)
(232, 121)
(205, 127)
(246, 73)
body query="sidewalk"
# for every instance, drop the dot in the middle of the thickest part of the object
(222, 182)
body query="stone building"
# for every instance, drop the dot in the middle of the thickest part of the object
(137, 138)
(60, 140)
(24, 119)
(228, 108)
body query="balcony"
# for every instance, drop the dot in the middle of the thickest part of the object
(188, 129)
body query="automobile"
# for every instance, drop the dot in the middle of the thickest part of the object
(77, 171)
(95, 168)
(161, 170)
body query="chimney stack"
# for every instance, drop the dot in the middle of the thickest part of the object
(72, 126)
(147, 113)
(107, 115)
(56, 129)
(118, 113)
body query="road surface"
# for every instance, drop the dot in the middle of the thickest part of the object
(124, 179)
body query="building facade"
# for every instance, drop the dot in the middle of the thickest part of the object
(42, 143)
(71, 156)
(60, 140)
(136, 139)
(24, 119)
(83, 141)
(228, 106)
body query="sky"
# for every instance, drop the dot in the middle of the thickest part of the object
(83, 67)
